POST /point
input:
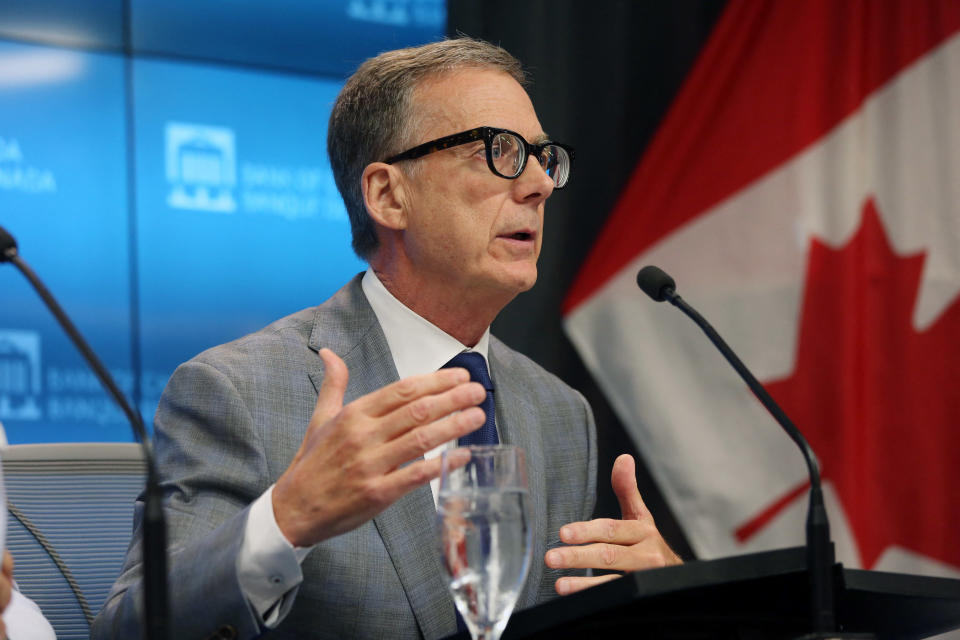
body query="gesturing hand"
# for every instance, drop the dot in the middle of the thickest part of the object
(348, 468)
(628, 544)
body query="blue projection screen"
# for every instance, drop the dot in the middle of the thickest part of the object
(63, 195)
(170, 184)
(239, 221)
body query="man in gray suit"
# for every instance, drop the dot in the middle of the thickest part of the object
(296, 461)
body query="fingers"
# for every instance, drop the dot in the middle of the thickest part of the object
(422, 471)
(416, 401)
(601, 555)
(418, 441)
(403, 392)
(428, 408)
(624, 481)
(400, 407)
(630, 544)
(572, 584)
(604, 530)
(330, 396)
(416, 414)
(7, 564)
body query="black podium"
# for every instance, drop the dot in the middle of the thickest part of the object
(762, 595)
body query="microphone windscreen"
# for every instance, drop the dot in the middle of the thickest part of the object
(6, 244)
(655, 282)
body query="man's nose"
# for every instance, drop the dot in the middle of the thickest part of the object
(534, 183)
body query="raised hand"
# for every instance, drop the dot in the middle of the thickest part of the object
(628, 544)
(348, 468)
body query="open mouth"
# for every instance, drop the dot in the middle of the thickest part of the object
(520, 235)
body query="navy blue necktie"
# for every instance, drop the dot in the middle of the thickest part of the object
(477, 366)
(487, 434)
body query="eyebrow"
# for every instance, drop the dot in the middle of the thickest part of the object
(543, 137)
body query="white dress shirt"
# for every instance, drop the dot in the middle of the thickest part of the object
(268, 567)
(24, 620)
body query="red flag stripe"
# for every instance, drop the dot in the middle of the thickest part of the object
(701, 156)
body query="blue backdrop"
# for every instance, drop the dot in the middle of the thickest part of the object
(169, 182)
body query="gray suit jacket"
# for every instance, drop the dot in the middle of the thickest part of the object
(230, 422)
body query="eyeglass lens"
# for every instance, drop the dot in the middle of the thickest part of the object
(507, 158)
(507, 153)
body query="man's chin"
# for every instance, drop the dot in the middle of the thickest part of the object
(523, 281)
(526, 286)
(509, 281)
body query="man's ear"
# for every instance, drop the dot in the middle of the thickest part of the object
(383, 194)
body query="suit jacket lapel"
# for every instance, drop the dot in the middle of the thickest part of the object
(348, 326)
(517, 423)
(408, 532)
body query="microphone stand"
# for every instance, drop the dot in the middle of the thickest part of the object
(154, 524)
(820, 553)
(820, 556)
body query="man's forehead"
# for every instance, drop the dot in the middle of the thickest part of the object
(463, 99)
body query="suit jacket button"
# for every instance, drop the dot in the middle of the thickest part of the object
(226, 632)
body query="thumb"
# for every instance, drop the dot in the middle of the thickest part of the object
(624, 481)
(334, 386)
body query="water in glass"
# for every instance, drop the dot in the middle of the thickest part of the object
(485, 534)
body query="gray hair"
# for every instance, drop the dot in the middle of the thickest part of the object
(372, 118)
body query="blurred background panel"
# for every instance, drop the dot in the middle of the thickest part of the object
(63, 195)
(238, 217)
(90, 24)
(164, 169)
(327, 37)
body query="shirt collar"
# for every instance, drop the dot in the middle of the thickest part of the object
(417, 345)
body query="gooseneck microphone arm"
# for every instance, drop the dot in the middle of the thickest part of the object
(820, 558)
(154, 525)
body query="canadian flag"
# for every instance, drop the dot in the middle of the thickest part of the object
(804, 192)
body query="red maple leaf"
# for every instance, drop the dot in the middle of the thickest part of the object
(877, 400)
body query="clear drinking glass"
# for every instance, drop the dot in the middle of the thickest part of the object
(485, 535)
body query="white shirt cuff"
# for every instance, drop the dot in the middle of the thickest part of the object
(268, 566)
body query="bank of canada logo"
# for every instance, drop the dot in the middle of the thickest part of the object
(18, 174)
(19, 375)
(201, 167)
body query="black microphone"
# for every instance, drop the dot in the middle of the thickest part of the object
(820, 556)
(154, 525)
(8, 246)
(656, 283)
